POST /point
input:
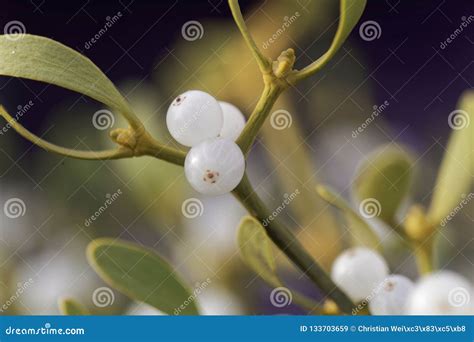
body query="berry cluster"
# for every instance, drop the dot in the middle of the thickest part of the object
(364, 275)
(215, 164)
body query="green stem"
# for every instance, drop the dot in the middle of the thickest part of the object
(264, 63)
(424, 257)
(289, 244)
(268, 98)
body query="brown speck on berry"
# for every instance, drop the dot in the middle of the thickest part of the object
(389, 286)
(210, 176)
(179, 100)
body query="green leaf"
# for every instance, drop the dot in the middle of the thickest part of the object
(256, 250)
(361, 232)
(350, 13)
(141, 274)
(382, 183)
(457, 168)
(42, 59)
(71, 307)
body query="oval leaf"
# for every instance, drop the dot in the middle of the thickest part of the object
(383, 182)
(70, 307)
(141, 274)
(457, 168)
(256, 250)
(362, 234)
(42, 59)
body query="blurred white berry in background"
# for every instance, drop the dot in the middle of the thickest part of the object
(441, 293)
(358, 271)
(391, 295)
(215, 166)
(234, 121)
(193, 117)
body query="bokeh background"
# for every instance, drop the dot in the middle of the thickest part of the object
(147, 55)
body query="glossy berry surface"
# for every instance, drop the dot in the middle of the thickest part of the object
(391, 295)
(215, 166)
(358, 271)
(234, 121)
(193, 117)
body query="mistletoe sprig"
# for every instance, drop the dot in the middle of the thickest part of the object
(42, 59)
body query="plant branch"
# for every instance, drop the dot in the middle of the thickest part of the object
(79, 154)
(289, 244)
(131, 143)
(264, 63)
(268, 98)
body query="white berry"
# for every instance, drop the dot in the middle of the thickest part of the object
(357, 271)
(234, 121)
(390, 296)
(193, 117)
(441, 293)
(215, 166)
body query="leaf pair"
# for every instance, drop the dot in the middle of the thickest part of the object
(139, 273)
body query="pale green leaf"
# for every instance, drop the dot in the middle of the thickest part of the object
(141, 274)
(362, 234)
(256, 250)
(43, 59)
(383, 182)
(350, 13)
(71, 307)
(457, 168)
